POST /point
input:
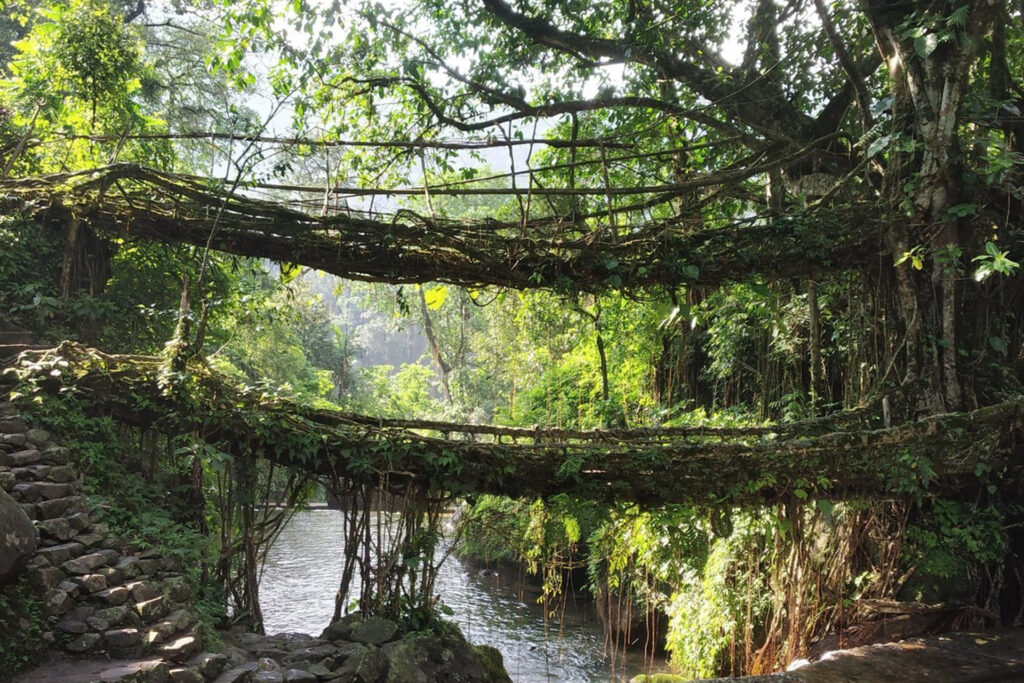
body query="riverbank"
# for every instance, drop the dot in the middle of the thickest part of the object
(351, 650)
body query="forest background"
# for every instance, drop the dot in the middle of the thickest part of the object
(850, 176)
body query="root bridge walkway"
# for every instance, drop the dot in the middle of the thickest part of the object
(840, 457)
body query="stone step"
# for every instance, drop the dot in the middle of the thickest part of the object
(177, 622)
(120, 616)
(15, 440)
(55, 455)
(89, 539)
(91, 583)
(118, 595)
(143, 590)
(13, 424)
(61, 507)
(129, 567)
(114, 577)
(59, 474)
(183, 674)
(83, 643)
(86, 564)
(80, 521)
(31, 472)
(58, 554)
(181, 648)
(38, 437)
(23, 458)
(178, 589)
(57, 602)
(12, 336)
(149, 566)
(36, 491)
(152, 610)
(57, 528)
(122, 639)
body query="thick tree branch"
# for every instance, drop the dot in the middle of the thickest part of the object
(851, 69)
(755, 104)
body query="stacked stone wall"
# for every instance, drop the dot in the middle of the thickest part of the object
(100, 595)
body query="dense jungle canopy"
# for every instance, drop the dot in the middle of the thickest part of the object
(765, 248)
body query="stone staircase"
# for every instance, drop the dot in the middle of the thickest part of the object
(101, 596)
(14, 340)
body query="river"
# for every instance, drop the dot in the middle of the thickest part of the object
(301, 577)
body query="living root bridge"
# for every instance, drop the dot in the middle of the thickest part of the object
(131, 201)
(826, 458)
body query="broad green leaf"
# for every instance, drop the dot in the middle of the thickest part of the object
(926, 44)
(290, 271)
(435, 296)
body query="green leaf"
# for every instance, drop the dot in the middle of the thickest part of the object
(998, 345)
(878, 145)
(690, 271)
(926, 44)
(435, 296)
(961, 210)
(289, 271)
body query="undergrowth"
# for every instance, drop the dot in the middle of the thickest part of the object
(22, 624)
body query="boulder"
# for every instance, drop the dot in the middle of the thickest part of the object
(366, 667)
(444, 658)
(39, 437)
(209, 664)
(406, 663)
(18, 538)
(340, 629)
(48, 577)
(374, 631)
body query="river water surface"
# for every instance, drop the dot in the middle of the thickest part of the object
(304, 566)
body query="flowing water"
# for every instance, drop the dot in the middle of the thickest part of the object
(302, 573)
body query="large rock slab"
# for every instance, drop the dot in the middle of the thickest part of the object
(18, 538)
(443, 658)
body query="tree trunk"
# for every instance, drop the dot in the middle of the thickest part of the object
(929, 74)
(435, 348)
